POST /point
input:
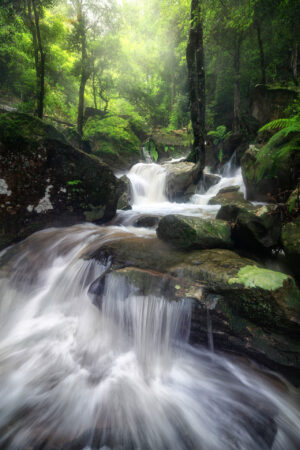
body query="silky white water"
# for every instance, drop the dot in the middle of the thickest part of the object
(86, 365)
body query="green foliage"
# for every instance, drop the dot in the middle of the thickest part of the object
(220, 134)
(283, 144)
(114, 134)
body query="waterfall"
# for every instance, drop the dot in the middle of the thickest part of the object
(230, 168)
(85, 367)
(148, 183)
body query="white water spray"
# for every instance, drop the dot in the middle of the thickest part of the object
(113, 369)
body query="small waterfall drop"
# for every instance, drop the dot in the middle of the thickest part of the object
(230, 168)
(114, 369)
(148, 183)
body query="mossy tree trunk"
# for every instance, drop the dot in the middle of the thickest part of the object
(196, 83)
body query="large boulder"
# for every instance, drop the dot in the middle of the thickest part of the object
(255, 228)
(228, 195)
(185, 232)
(269, 103)
(180, 176)
(254, 311)
(269, 186)
(46, 182)
(290, 238)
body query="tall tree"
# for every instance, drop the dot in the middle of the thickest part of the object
(196, 83)
(32, 12)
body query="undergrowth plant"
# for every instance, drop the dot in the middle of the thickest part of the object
(284, 143)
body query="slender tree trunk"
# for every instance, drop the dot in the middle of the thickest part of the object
(261, 53)
(196, 84)
(84, 76)
(237, 89)
(94, 88)
(294, 62)
(41, 63)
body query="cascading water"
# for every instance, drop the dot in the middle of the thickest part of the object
(83, 369)
(148, 183)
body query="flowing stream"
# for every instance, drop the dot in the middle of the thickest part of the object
(79, 371)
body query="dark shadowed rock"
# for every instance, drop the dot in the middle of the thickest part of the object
(290, 238)
(256, 229)
(45, 182)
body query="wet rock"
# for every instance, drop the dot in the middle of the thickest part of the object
(254, 311)
(147, 221)
(124, 202)
(256, 229)
(290, 238)
(191, 232)
(209, 180)
(227, 196)
(180, 176)
(46, 182)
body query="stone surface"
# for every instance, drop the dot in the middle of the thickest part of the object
(290, 238)
(226, 197)
(269, 103)
(124, 202)
(256, 229)
(268, 188)
(254, 311)
(192, 232)
(180, 176)
(46, 182)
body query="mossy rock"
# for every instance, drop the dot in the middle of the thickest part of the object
(190, 232)
(256, 229)
(223, 198)
(46, 182)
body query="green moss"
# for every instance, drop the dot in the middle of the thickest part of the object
(253, 276)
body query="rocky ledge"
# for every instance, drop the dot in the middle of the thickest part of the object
(46, 182)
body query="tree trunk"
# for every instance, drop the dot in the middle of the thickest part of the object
(236, 127)
(294, 62)
(196, 84)
(261, 53)
(84, 76)
(41, 64)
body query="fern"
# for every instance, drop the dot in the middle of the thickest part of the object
(280, 146)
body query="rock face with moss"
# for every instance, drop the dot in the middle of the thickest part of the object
(254, 311)
(46, 182)
(256, 229)
(228, 195)
(290, 238)
(192, 232)
(262, 187)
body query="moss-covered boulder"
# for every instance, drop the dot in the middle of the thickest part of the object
(254, 311)
(290, 238)
(192, 232)
(180, 176)
(45, 182)
(269, 186)
(256, 229)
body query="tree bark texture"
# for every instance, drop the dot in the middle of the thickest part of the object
(237, 88)
(196, 84)
(39, 54)
(84, 74)
(261, 54)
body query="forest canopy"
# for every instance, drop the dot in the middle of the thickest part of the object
(127, 59)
